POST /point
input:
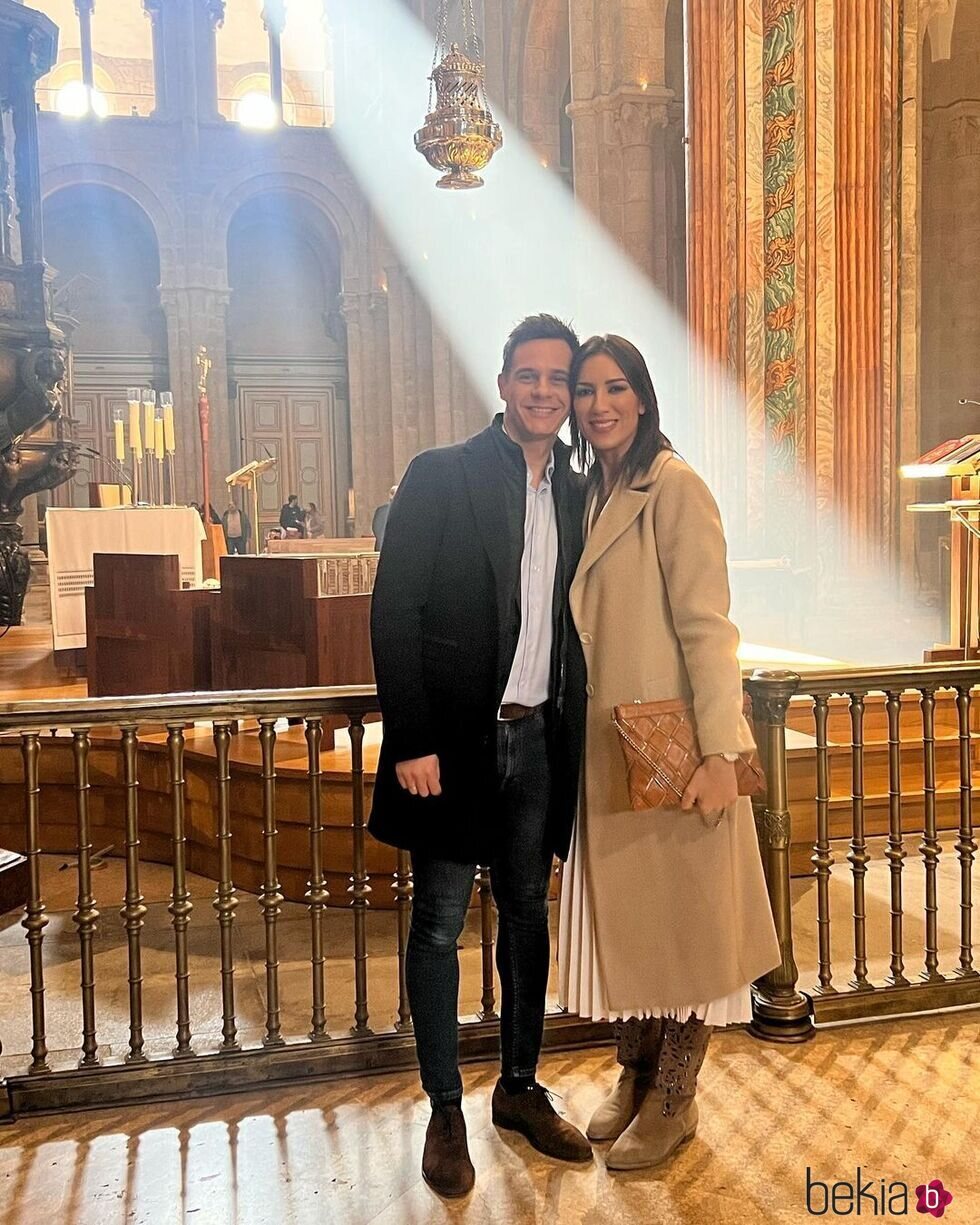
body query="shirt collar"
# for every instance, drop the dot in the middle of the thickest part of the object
(515, 454)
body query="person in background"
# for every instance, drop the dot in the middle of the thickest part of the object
(236, 528)
(315, 524)
(380, 520)
(291, 517)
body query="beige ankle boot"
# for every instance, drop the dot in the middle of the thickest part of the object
(638, 1051)
(668, 1114)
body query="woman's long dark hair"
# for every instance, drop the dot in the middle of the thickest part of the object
(650, 440)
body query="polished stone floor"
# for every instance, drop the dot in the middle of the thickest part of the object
(900, 1099)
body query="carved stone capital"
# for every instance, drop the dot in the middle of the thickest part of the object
(274, 16)
(634, 121)
(215, 11)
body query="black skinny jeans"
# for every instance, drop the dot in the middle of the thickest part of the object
(520, 874)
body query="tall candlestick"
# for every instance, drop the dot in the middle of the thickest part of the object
(119, 439)
(149, 412)
(158, 438)
(135, 439)
(169, 433)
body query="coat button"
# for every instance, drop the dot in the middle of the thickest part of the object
(586, 638)
(590, 690)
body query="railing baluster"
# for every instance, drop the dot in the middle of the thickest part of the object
(930, 848)
(966, 847)
(316, 893)
(35, 920)
(822, 858)
(180, 907)
(403, 905)
(271, 897)
(360, 887)
(133, 911)
(225, 900)
(895, 852)
(858, 855)
(779, 1010)
(488, 1011)
(86, 916)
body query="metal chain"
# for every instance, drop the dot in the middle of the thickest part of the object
(442, 26)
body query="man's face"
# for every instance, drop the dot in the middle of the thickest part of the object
(535, 390)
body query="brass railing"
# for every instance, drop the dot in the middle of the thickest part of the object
(782, 1011)
(780, 1006)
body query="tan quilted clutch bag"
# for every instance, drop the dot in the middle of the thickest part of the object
(660, 744)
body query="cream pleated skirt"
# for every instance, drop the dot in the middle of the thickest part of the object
(580, 987)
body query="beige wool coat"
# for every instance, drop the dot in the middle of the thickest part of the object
(680, 910)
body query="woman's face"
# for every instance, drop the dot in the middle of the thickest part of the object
(607, 409)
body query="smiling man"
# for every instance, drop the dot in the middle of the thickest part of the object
(481, 687)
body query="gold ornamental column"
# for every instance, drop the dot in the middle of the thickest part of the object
(859, 393)
(715, 259)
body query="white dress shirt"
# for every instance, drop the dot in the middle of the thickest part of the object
(530, 673)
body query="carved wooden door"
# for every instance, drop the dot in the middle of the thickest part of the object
(298, 429)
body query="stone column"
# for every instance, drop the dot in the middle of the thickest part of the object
(274, 20)
(208, 15)
(196, 315)
(366, 316)
(154, 10)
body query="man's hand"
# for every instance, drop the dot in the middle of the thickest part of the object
(713, 787)
(420, 776)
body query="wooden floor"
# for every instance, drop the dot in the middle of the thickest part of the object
(897, 1099)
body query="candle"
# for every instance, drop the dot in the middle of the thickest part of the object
(350, 503)
(120, 441)
(169, 435)
(135, 441)
(158, 438)
(149, 412)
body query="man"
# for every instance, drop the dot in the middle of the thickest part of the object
(291, 517)
(482, 691)
(380, 520)
(236, 527)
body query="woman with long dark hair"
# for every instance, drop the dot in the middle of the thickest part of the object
(665, 918)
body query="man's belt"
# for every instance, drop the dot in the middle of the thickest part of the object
(510, 712)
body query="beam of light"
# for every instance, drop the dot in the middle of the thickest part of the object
(522, 244)
(485, 258)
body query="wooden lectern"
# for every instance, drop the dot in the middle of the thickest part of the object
(957, 460)
(248, 478)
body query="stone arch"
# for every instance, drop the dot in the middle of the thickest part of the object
(235, 192)
(539, 73)
(159, 214)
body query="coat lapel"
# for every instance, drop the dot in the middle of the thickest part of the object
(620, 511)
(498, 511)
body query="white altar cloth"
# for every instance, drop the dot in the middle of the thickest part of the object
(75, 535)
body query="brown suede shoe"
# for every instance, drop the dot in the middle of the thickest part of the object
(446, 1164)
(533, 1115)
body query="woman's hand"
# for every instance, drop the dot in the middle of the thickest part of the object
(713, 787)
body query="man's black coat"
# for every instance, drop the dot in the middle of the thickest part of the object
(445, 620)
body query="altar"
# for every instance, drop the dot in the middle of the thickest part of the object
(75, 535)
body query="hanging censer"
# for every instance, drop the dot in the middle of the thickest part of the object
(459, 135)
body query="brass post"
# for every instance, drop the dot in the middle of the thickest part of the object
(180, 907)
(858, 855)
(966, 846)
(822, 857)
(34, 920)
(316, 894)
(895, 850)
(780, 1013)
(930, 848)
(86, 916)
(133, 910)
(224, 899)
(403, 905)
(271, 897)
(359, 882)
(488, 1011)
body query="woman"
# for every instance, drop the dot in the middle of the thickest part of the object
(665, 919)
